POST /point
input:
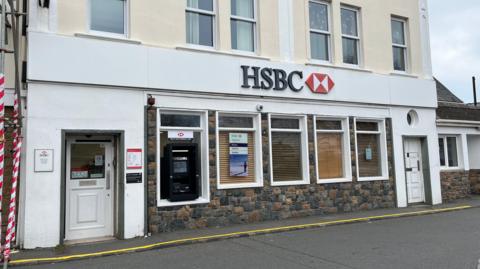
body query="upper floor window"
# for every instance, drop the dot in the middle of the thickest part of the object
(399, 45)
(108, 16)
(350, 35)
(243, 24)
(200, 19)
(319, 30)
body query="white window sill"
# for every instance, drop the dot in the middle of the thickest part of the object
(365, 179)
(451, 169)
(166, 203)
(402, 74)
(108, 38)
(289, 183)
(234, 53)
(334, 180)
(343, 67)
(258, 184)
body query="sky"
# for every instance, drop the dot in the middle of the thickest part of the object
(455, 42)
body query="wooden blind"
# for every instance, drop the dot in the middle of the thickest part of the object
(286, 156)
(330, 157)
(224, 144)
(369, 168)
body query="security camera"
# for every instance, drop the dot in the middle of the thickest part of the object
(259, 108)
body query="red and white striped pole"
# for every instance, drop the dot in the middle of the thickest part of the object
(2, 143)
(17, 145)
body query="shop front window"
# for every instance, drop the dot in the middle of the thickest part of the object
(239, 151)
(371, 150)
(183, 158)
(288, 150)
(332, 148)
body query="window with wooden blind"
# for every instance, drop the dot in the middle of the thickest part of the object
(332, 150)
(239, 157)
(372, 163)
(288, 151)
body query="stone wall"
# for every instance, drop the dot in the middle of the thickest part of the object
(265, 203)
(455, 185)
(474, 177)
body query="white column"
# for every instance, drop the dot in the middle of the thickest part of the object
(286, 32)
(425, 39)
(464, 147)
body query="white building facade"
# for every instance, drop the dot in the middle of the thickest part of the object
(259, 109)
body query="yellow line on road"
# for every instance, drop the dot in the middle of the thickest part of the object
(231, 235)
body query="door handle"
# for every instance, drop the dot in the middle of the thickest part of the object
(108, 180)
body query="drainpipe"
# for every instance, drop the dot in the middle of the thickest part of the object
(474, 82)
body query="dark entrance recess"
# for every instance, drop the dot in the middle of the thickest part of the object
(180, 173)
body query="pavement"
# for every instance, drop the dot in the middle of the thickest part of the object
(445, 236)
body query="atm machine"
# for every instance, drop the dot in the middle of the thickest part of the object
(180, 177)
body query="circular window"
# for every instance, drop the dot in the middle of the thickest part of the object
(412, 118)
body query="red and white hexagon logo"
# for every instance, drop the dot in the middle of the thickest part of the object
(320, 83)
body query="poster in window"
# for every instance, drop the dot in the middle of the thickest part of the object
(368, 154)
(238, 154)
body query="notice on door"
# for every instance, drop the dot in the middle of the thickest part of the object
(238, 154)
(134, 159)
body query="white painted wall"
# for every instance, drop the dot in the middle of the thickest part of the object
(473, 143)
(53, 108)
(127, 65)
(468, 146)
(424, 128)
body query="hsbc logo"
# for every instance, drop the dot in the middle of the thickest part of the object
(320, 83)
(279, 80)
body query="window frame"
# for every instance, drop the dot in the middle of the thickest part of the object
(381, 132)
(257, 129)
(346, 150)
(402, 46)
(214, 16)
(204, 197)
(445, 146)
(255, 31)
(357, 38)
(126, 22)
(316, 31)
(303, 131)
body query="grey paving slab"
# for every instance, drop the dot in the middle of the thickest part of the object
(447, 240)
(118, 244)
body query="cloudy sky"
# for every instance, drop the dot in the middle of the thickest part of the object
(455, 38)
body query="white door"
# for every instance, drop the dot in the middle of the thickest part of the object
(89, 190)
(414, 170)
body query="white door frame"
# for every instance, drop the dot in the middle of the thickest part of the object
(108, 186)
(420, 168)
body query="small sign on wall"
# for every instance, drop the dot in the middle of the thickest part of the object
(180, 135)
(43, 160)
(134, 159)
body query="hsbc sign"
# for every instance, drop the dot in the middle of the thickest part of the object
(278, 80)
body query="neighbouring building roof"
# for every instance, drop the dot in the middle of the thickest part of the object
(450, 107)
(445, 95)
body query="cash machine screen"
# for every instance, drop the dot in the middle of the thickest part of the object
(180, 165)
